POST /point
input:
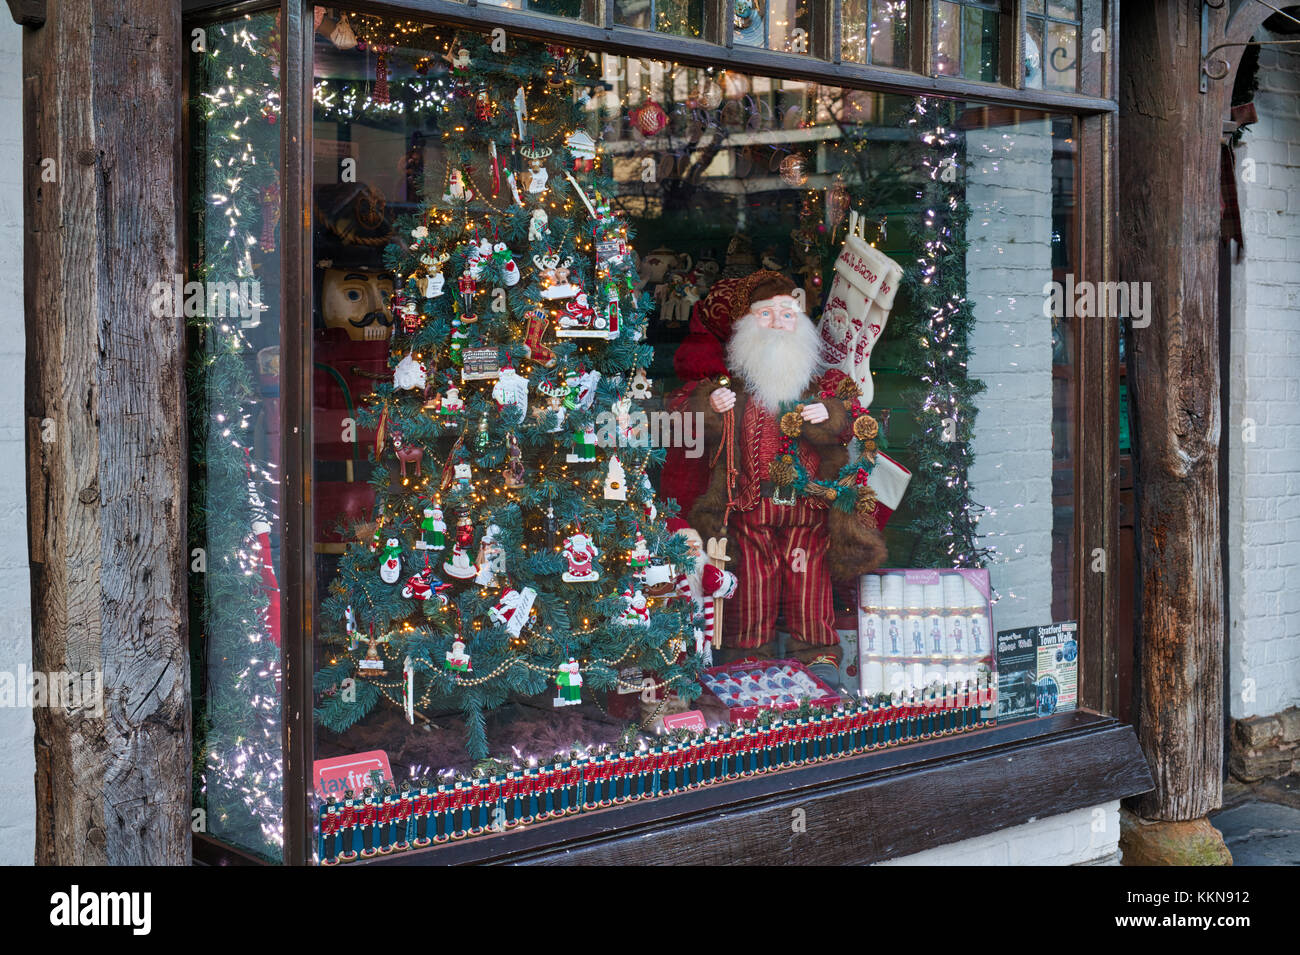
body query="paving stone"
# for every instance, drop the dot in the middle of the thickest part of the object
(1260, 833)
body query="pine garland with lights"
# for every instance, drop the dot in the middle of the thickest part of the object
(476, 230)
(939, 321)
(235, 661)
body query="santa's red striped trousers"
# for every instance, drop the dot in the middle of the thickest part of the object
(782, 551)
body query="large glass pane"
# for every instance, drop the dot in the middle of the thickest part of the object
(610, 281)
(230, 302)
(1062, 60)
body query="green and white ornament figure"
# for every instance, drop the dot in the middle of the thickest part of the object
(568, 682)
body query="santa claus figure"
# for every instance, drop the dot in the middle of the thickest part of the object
(580, 553)
(777, 393)
(703, 584)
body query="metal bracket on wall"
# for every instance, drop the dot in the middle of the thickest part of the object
(28, 13)
(1217, 69)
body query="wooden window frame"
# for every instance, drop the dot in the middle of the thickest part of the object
(999, 777)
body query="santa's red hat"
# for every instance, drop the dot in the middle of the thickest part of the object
(729, 299)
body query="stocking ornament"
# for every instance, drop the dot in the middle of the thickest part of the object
(857, 307)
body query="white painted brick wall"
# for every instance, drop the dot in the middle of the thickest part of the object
(1087, 836)
(17, 757)
(1009, 188)
(1264, 388)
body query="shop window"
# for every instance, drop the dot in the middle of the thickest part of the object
(876, 32)
(231, 301)
(1052, 44)
(677, 17)
(533, 272)
(967, 39)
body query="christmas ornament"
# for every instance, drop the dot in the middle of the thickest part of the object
(535, 179)
(555, 394)
(422, 585)
(587, 383)
(639, 387)
(511, 611)
(580, 554)
(514, 468)
(537, 222)
(342, 36)
(458, 658)
(372, 664)
(503, 259)
(857, 307)
(794, 170)
(432, 281)
(640, 556)
(390, 568)
(615, 480)
(555, 276)
(408, 693)
(649, 118)
(511, 391)
(568, 682)
(584, 447)
(433, 530)
(583, 150)
(350, 626)
(537, 324)
(579, 316)
(459, 565)
(380, 92)
(491, 557)
(636, 610)
(520, 104)
(410, 375)
(457, 189)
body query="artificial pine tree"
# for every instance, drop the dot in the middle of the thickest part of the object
(515, 339)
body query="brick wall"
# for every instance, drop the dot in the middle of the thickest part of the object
(1009, 188)
(1262, 432)
(17, 759)
(1087, 836)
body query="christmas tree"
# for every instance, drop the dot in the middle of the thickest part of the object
(517, 549)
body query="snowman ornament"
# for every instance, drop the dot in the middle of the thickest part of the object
(390, 571)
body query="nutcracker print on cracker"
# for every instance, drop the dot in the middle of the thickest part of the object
(787, 547)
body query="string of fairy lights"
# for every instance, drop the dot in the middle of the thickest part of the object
(241, 751)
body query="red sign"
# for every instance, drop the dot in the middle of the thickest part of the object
(690, 720)
(333, 776)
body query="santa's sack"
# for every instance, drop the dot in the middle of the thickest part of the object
(857, 308)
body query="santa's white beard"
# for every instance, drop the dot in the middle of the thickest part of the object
(775, 365)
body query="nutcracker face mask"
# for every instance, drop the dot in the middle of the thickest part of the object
(357, 302)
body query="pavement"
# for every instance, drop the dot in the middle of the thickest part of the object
(1260, 822)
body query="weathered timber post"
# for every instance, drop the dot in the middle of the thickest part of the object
(1169, 235)
(106, 436)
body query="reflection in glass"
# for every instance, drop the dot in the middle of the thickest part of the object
(234, 434)
(1062, 56)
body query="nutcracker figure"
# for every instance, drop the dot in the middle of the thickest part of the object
(591, 782)
(366, 823)
(348, 827)
(478, 801)
(329, 822)
(420, 817)
(439, 823)
(457, 808)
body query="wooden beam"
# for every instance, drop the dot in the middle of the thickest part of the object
(101, 105)
(28, 13)
(1169, 236)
